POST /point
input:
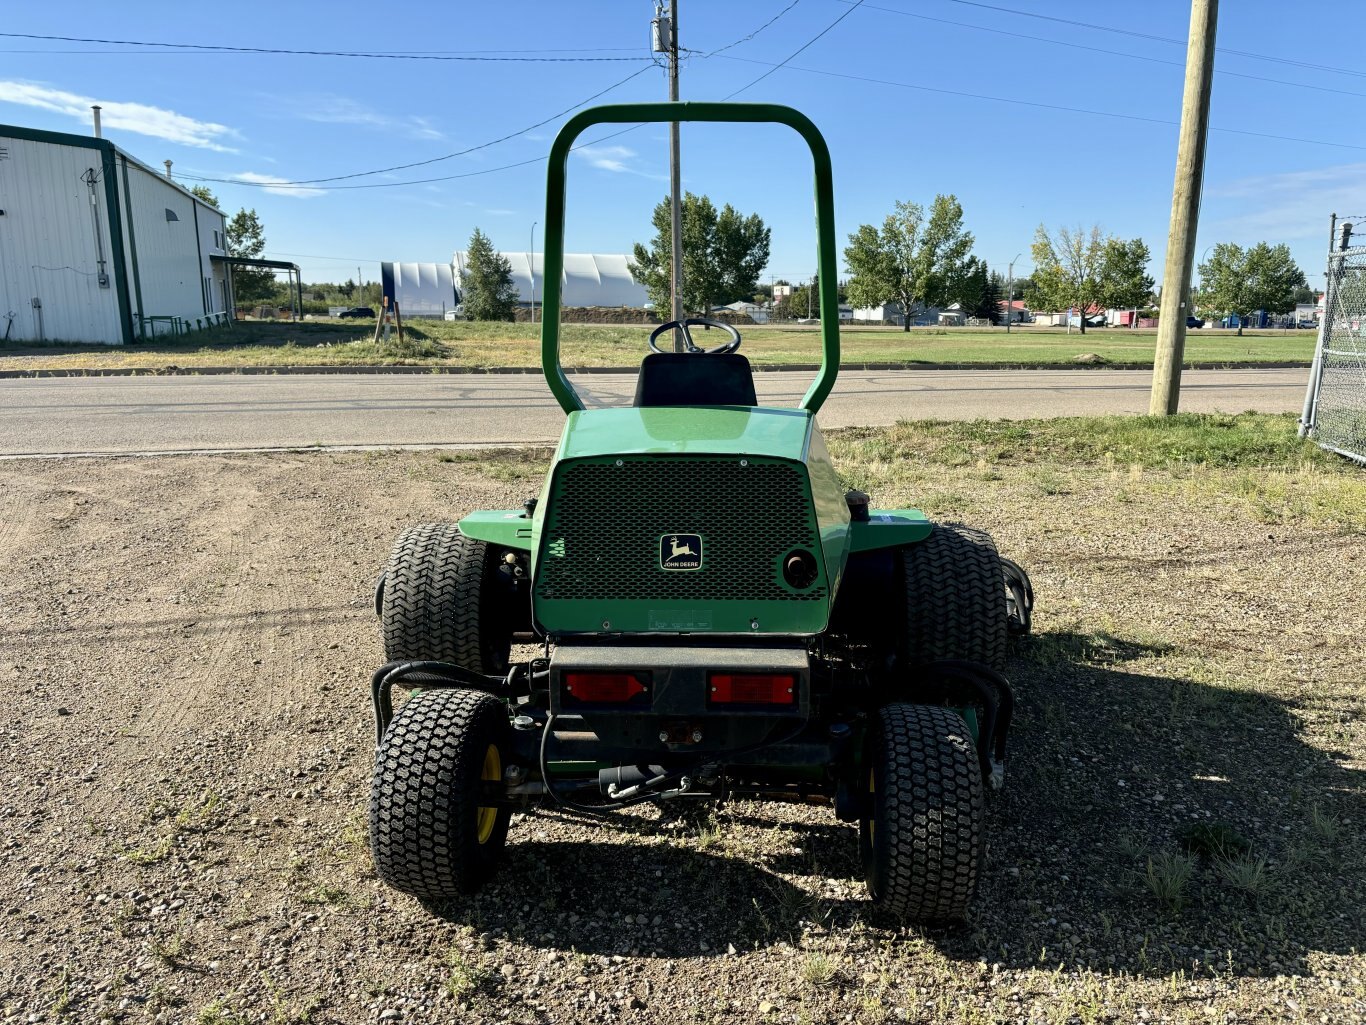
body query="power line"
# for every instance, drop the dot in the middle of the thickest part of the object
(312, 182)
(1038, 104)
(1144, 35)
(411, 56)
(747, 38)
(794, 53)
(1105, 50)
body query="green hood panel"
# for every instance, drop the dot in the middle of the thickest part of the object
(693, 430)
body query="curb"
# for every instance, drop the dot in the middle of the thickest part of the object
(810, 368)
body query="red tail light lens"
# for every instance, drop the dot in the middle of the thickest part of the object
(604, 688)
(752, 689)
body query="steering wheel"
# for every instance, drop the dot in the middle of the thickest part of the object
(692, 346)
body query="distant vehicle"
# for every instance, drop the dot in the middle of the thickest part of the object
(357, 311)
(1194, 322)
(1308, 323)
(458, 313)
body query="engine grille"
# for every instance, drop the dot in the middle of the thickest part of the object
(607, 521)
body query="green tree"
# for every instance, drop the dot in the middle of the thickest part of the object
(1125, 282)
(486, 281)
(723, 255)
(914, 260)
(247, 238)
(1068, 268)
(1237, 280)
(204, 193)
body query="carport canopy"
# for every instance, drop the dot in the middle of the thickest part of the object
(295, 279)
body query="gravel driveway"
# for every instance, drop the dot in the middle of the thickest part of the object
(186, 642)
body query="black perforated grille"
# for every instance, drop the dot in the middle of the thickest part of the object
(607, 520)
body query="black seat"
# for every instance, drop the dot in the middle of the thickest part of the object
(695, 379)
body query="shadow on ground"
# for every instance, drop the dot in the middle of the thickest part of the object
(1109, 769)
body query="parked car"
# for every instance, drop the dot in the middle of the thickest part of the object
(357, 311)
(1194, 322)
(1308, 323)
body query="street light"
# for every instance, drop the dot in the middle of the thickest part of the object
(1010, 292)
(531, 268)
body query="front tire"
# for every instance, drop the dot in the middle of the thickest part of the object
(921, 832)
(955, 604)
(444, 599)
(430, 834)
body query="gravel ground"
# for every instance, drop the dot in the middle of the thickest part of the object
(187, 642)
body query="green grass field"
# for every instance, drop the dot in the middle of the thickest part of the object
(451, 343)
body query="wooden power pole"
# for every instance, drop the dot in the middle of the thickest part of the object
(1190, 174)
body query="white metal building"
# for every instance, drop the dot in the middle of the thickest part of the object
(419, 289)
(97, 247)
(590, 279)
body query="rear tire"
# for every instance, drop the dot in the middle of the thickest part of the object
(444, 599)
(921, 831)
(429, 834)
(955, 598)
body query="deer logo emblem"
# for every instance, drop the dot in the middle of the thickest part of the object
(680, 551)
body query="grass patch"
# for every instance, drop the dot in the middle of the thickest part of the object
(1168, 875)
(461, 343)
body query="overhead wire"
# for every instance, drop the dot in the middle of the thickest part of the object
(1104, 51)
(366, 54)
(313, 182)
(1135, 33)
(796, 52)
(1038, 104)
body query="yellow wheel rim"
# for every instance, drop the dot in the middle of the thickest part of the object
(872, 817)
(492, 772)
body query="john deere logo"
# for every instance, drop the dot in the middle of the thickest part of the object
(680, 551)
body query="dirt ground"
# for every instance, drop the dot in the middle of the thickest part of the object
(185, 646)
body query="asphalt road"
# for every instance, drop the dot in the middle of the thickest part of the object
(83, 415)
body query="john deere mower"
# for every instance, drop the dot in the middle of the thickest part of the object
(712, 614)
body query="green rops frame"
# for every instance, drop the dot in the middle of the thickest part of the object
(629, 113)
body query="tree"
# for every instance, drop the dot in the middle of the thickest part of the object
(246, 238)
(1237, 280)
(1079, 269)
(723, 255)
(913, 260)
(486, 281)
(1125, 282)
(204, 193)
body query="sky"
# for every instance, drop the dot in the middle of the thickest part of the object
(1054, 112)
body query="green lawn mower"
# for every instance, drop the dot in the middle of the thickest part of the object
(715, 616)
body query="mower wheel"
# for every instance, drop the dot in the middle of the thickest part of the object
(444, 599)
(955, 601)
(429, 834)
(921, 831)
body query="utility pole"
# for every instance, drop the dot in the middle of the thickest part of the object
(1010, 292)
(1190, 175)
(666, 41)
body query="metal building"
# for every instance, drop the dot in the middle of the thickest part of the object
(590, 279)
(97, 247)
(419, 289)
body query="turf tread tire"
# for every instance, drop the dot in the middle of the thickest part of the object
(439, 600)
(955, 598)
(922, 862)
(424, 799)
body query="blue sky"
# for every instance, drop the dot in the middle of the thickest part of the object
(869, 83)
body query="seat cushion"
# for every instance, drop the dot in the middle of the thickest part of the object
(695, 379)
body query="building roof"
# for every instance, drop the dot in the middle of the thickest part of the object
(590, 279)
(91, 142)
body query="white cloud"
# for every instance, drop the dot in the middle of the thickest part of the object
(1289, 205)
(120, 116)
(617, 159)
(609, 158)
(278, 185)
(329, 109)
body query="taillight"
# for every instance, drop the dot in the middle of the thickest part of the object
(604, 688)
(752, 689)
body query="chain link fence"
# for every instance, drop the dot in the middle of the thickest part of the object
(1335, 404)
